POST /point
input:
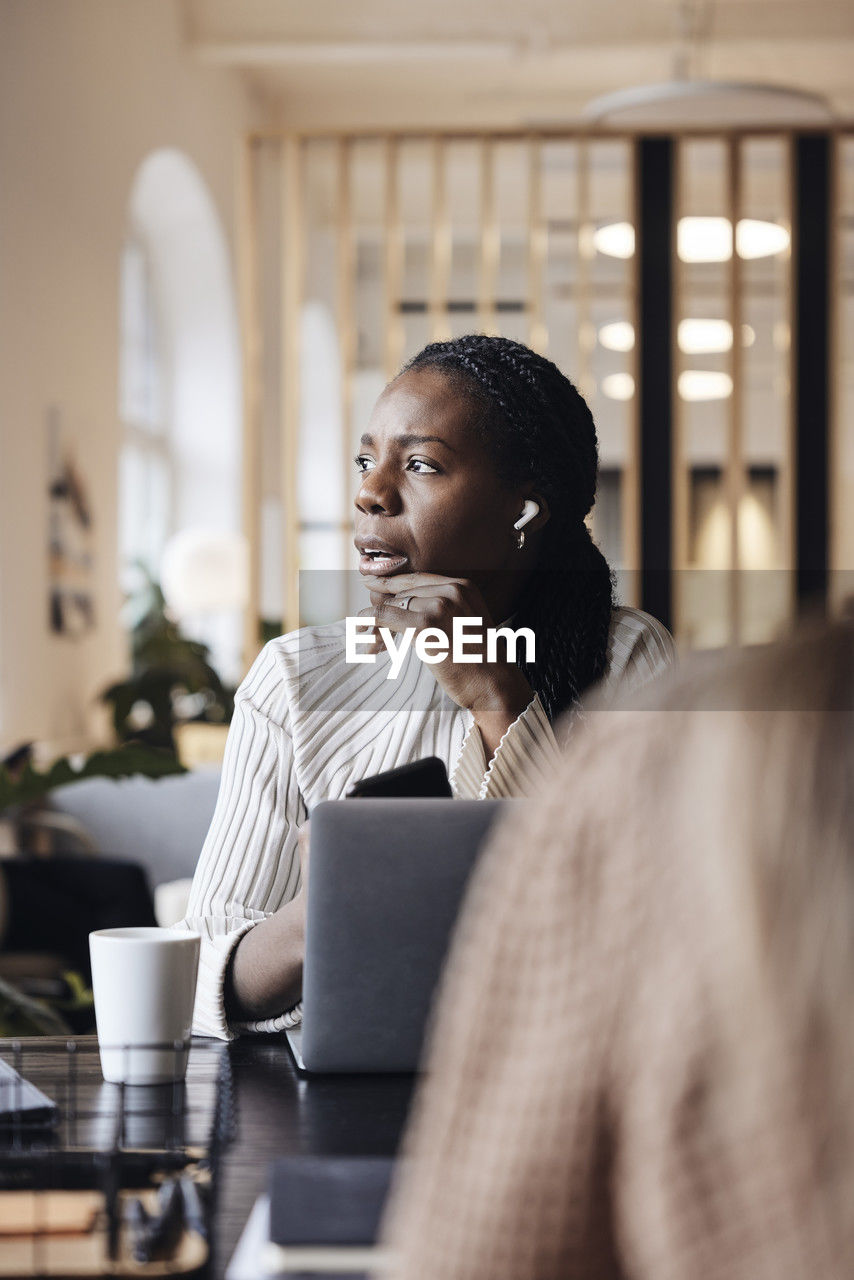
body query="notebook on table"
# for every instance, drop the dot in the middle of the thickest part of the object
(387, 880)
(325, 1213)
(22, 1105)
(320, 1216)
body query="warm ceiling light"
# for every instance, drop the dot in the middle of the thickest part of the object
(704, 384)
(756, 239)
(618, 336)
(701, 239)
(710, 239)
(618, 386)
(615, 239)
(704, 239)
(696, 337)
(704, 337)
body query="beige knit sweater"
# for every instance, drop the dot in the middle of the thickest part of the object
(620, 1080)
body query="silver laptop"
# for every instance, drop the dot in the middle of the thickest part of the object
(387, 879)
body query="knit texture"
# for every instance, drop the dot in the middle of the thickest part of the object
(609, 1094)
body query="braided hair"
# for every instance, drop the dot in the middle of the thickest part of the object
(538, 427)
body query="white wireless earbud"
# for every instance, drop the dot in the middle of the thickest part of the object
(529, 510)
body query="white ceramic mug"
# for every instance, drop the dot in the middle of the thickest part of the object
(144, 983)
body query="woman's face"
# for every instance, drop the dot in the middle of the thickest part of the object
(430, 500)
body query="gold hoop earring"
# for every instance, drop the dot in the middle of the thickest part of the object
(520, 539)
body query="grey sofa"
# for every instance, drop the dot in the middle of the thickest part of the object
(158, 823)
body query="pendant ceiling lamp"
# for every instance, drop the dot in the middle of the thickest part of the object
(685, 102)
(715, 104)
(677, 105)
(689, 100)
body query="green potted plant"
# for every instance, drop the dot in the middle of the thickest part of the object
(171, 680)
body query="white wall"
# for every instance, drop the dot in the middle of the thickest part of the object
(87, 91)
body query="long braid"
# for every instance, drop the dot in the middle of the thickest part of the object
(540, 428)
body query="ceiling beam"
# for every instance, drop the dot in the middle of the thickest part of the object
(284, 53)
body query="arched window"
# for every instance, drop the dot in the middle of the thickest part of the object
(145, 457)
(179, 383)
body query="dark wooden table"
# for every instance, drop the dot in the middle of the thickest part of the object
(281, 1113)
(276, 1112)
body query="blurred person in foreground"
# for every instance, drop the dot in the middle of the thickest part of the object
(643, 1059)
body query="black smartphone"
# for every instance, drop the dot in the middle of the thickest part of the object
(423, 778)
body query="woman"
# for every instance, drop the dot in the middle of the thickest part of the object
(458, 443)
(644, 1048)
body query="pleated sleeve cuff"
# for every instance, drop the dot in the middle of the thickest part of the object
(527, 753)
(467, 777)
(209, 1013)
(282, 1021)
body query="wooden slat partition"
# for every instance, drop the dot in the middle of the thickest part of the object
(393, 337)
(585, 251)
(786, 482)
(391, 342)
(630, 478)
(538, 240)
(251, 337)
(345, 315)
(679, 454)
(490, 243)
(734, 474)
(293, 288)
(440, 258)
(841, 567)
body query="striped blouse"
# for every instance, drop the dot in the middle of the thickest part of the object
(307, 726)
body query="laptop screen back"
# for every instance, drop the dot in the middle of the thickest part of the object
(386, 883)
